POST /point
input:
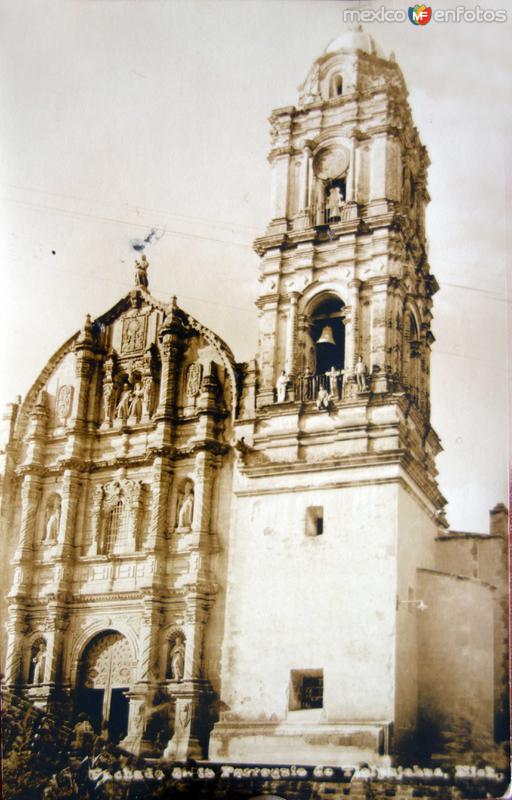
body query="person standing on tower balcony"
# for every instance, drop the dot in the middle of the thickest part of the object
(332, 375)
(360, 373)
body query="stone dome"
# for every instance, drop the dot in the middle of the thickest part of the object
(355, 40)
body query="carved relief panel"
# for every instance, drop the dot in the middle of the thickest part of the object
(108, 662)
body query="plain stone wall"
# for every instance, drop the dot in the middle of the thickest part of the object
(456, 645)
(415, 548)
(300, 602)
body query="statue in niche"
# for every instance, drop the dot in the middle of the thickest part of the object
(52, 521)
(108, 396)
(135, 409)
(360, 373)
(335, 203)
(123, 407)
(147, 395)
(281, 387)
(39, 663)
(186, 507)
(177, 659)
(141, 272)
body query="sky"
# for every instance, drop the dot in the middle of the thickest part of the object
(123, 117)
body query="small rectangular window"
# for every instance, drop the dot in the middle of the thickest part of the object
(314, 521)
(306, 689)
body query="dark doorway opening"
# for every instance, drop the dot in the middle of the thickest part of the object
(118, 718)
(90, 701)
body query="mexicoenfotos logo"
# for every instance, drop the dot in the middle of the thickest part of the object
(420, 15)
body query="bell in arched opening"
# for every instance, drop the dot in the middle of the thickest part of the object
(326, 336)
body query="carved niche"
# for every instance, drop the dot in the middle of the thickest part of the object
(52, 519)
(129, 382)
(185, 507)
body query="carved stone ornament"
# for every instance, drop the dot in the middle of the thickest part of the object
(108, 662)
(63, 405)
(134, 334)
(194, 376)
(115, 489)
(331, 163)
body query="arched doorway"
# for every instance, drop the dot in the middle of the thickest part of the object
(104, 677)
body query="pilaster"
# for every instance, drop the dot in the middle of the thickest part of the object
(161, 476)
(30, 497)
(291, 335)
(71, 486)
(142, 692)
(379, 303)
(16, 628)
(171, 344)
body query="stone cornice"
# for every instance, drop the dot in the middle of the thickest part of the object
(365, 460)
(147, 458)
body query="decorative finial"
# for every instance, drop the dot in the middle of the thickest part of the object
(86, 334)
(174, 304)
(141, 272)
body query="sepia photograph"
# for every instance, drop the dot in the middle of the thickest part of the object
(254, 436)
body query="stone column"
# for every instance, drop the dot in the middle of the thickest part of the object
(134, 516)
(161, 476)
(378, 374)
(55, 628)
(16, 628)
(291, 335)
(170, 336)
(37, 431)
(30, 497)
(280, 163)
(142, 693)
(303, 188)
(352, 330)
(192, 694)
(267, 347)
(71, 485)
(95, 546)
(349, 389)
(350, 185)
(84, 364)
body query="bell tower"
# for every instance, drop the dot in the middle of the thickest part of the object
(344, 267)
(336, 503)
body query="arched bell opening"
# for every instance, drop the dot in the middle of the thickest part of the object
(324, 349)
(328, 335)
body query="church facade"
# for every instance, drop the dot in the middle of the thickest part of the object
(250, 562)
